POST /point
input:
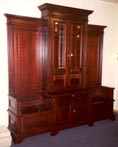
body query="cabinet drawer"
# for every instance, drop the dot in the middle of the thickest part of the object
(70, 100)
(80, 97)
(62, 100)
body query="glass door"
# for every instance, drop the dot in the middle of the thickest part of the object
(59, 53)
(75, 54)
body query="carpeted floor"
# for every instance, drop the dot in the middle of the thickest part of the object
(102, 134)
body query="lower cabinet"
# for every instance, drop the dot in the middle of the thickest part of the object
(63, 111)
(70, 110)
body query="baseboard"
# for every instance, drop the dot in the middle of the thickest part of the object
(115, 110)
(4, 132)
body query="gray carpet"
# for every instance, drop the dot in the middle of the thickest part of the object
(102, 134)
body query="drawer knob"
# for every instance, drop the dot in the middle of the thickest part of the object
(73, 95)
(53, 99)
(74, 110)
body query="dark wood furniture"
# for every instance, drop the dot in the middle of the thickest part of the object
(55, 66)
(102, 97)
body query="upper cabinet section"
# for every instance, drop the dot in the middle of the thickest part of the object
(66, 47)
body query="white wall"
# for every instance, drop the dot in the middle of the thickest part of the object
(104, 14)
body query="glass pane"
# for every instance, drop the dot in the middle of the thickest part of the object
(59, 44)
(75, 46)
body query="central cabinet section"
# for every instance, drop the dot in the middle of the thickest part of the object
(65, 65)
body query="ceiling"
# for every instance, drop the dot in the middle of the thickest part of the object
(113, 1)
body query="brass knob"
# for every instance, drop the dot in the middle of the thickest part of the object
(73, 95)
(53, 99)
(74, 110)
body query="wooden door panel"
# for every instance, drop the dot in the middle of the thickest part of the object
(63, 109)
(63, 115)
(75, 55)
(27, 62)
(80, 108)
(93, 59)
(94, 55)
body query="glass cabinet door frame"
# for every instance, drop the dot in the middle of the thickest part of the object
(59, 46)
(67, 54)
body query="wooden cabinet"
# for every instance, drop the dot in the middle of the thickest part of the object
(55, 66)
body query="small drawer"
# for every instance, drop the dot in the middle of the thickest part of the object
(62, 100)
(81, 96)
